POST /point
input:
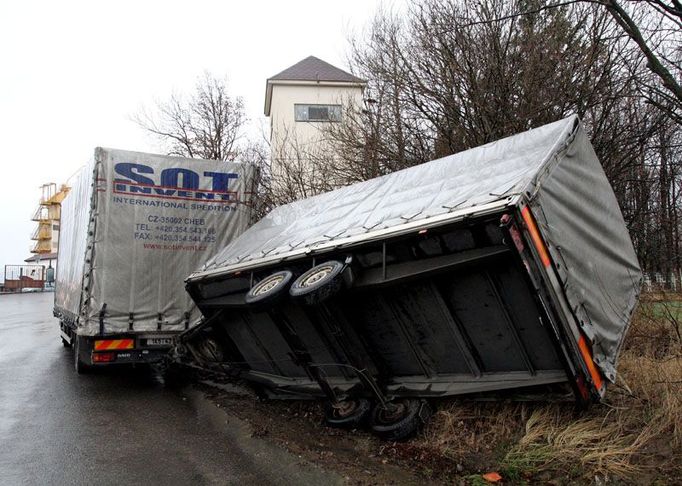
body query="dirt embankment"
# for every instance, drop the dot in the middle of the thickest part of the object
(299, 427)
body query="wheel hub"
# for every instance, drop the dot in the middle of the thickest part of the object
(317, 276)
(345, 408)
(267, 285)
(392, 412)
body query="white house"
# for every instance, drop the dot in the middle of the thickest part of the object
(302, 100)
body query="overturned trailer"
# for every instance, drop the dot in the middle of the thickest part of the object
(504, 266)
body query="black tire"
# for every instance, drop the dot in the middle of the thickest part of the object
(319, 283)
(79, 365)
(209, 350)
(347, 414)
(270, 289)
(401, 420)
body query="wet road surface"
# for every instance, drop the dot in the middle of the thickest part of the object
(121, 427)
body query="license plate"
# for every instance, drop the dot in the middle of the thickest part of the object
(159, 341)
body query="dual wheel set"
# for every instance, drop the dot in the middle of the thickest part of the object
(313, 287)
(396, 420)
(392, 420)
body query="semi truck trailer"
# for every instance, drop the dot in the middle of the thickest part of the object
(133, 226)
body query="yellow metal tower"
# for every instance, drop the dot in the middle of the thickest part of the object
(46, 235)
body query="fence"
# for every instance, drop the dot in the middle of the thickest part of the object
(18, 277)
(655, 282)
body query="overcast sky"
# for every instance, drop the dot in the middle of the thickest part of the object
(72, 73)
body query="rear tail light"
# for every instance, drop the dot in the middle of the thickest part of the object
(108, 344)
(103, 357)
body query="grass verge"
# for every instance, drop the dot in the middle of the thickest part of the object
(634, 436)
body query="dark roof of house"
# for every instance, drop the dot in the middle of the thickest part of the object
(41, 256)
(314, 69)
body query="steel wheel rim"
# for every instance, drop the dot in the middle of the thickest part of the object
(268, 284)
(318, 275)
(392, 414)
(345, 409)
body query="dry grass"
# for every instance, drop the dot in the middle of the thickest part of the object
(554, 441)
(634, 436)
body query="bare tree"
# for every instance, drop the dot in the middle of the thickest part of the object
(655, 27)
(300, 164)
(440, 83)
(257, 153)
(453, 74)
(207, 124)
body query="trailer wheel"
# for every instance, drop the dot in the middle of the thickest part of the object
(81, 367)
(319, 283)
(269, 289)
(209, 350)
(347, 414)
(400, 419)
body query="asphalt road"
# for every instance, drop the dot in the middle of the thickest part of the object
(119, 427)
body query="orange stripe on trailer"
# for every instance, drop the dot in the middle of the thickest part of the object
(124, 344)
(535, 236)
(591, 367)
(108, 344)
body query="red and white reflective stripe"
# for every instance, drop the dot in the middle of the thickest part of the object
(535, 236)
(109, 344)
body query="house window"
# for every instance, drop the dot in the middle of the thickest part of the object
(318, 113)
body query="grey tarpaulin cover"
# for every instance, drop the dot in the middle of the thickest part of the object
(553, 167)
(133, 226)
